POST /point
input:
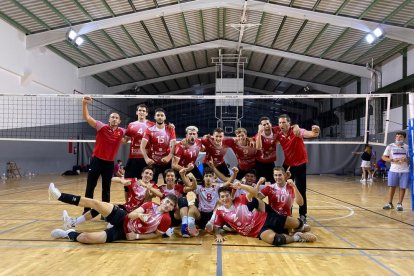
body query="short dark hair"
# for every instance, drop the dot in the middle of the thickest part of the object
(285, 116)
(208, 170)
(143, 106)
(159, 109)
(172, 197)
(168, 170)
(251, 171)
(219, 130)
(224, 189)
(279, 168)
(147, 168)
(401, 133)
(264, 118)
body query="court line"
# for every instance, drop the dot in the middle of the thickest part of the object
(353, 245)
(35, 187)
(115, 242)
(16, 227)
(316, 253)
(319, 247)
(363, 208)
(84, 246)
(219, 265)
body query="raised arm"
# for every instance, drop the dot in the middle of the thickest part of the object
(123, 181)
(232, 177)
(190, 182)
(298, 195)
(85, 112)
(259, 137)
(217, 172)
(251, 191)
(312, 133)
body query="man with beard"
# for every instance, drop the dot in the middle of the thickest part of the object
(160, 140)
(108, 140)
(186, 153)
(296, 155)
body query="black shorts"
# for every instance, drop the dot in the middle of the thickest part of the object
(174, 222)
(116, 218)
(204, 218)
(134, 167)
(274, 222)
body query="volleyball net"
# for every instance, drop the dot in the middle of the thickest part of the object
(343, 118)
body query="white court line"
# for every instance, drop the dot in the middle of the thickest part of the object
(351, 211)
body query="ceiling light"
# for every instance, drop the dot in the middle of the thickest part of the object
(370, 38)
(378, 32)
(72, 34)
(79, 40)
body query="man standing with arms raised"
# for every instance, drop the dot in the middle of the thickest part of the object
(160, 140)
(296, 155)
(108, 140)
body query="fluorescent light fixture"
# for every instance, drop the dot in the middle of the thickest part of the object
(378, 32)
(72, 34)
(370, 38)
(79, 40)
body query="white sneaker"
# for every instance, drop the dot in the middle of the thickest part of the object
(399, 207)
(306, 237)
(68, 222)
(60, 233)
(228, 228)
(53, 192)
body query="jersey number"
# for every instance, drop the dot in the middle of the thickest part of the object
(160, 139)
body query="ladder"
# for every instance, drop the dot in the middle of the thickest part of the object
(12, 170)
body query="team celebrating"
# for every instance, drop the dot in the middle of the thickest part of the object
(217, 200)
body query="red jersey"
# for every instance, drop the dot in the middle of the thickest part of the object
(293, 148)
(136, 195)
(280, 199)
(107, 141)
(136, 131)
(188, 153)
(246, 156)
(159, 142)
(177, 190)
(268, 152)
(156, 221)
(239, 218)
(216, 152)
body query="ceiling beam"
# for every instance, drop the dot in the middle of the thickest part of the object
(53, 36)
(314, 86)
(351, 69)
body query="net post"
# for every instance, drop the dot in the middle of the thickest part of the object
(410, 145)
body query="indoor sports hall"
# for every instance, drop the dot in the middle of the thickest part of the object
(331, 81)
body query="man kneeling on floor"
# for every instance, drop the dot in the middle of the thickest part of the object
(245, 214)
(149, 221)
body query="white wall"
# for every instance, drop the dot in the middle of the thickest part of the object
(392, 70)
(47, 72)
(410, 61)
